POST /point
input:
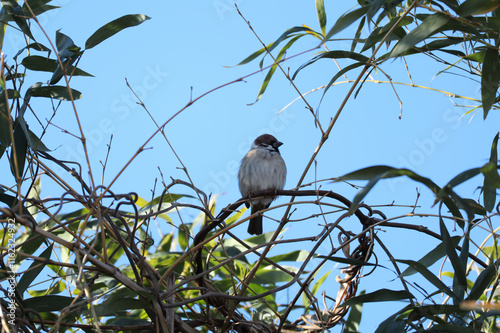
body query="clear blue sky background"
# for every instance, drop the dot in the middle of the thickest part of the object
(187, 44)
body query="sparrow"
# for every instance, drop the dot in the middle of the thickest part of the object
(261, 169)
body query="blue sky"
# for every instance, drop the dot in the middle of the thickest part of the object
(187, 44)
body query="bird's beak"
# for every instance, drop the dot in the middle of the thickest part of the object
(277, 144)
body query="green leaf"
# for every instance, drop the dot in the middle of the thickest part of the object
(271, 71)
(363, 192)
(129, 322)
(166, 202)
(183, 236)
(427, 274)
(367, 173)
(320, 9)
(65, 46)
(428, 27)
(483, 281)
(458, 288)
(319, 283)
(338, 75)
(345, 21)
(458, 268)
(433, 311)
(489, 80)
(491, 177)
(374, 7)
(450, 328)
(68, 53)
(9, 200)
(56, 92)
(18, 158)
(305, 299)
(374, 173)
(477, 7)
(266, 276)
(287, 34)
(477, 57)
(5, 120)
(119, 305)
(354, 318)
(48, 303)
(333, 55)
(348, 261)
(295, 256)
(38, 63)
(37, 7)
(35, 143)
(35, 269)
(34, 46)
(358, 34)
(55, 289)
(392, 324)
(463, 176)
(18, 16)
(430, 258)
(382, 295)
(165, 243)
(379, 33)
(113, 27)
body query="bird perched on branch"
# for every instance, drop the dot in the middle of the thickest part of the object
(261, 169)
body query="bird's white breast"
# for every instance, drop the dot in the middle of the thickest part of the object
(261, 170)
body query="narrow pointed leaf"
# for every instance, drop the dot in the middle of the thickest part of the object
(34, 46)
(477, 7)
(294, 256)
(5, 129)
(390, 172)
(111, 28)
(429, 276)
(333, 55)
(382, 295)
(366, 173)
(483, 281)
(349, 261)
(32, 273)
(432, 257)
(48, 303)
(18, 16)
(345, 21)
(491, 177)
(183, 236)
(358, 34)
(374, 7)
(458, 288)
(37, 7)
(379, 33)
(18, 158)
(64, 45)
(464, 176)
(458, 268)
(273, 68)
(35, 143)
(363, 192)
(338, 75)
(391, 324)
(38, 63)
(56, 92)
(428, 27)
(287, 34)
(354, 318)
(320, 8)
(489, 80)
